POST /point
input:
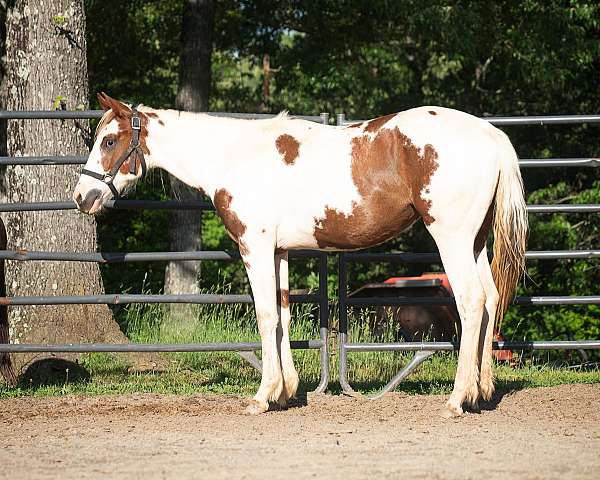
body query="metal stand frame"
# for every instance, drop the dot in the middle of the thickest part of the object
(419, 357)
(424, 350)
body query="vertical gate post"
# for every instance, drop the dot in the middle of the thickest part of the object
(343, 326)
(323, 323)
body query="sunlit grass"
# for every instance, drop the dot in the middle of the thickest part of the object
(228, 373)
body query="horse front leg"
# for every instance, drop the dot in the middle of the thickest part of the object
(259, 257)
(290, 376)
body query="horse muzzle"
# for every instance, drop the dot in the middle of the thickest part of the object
(90, 202)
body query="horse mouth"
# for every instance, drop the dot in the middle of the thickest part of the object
(96, 208)
(91, 203)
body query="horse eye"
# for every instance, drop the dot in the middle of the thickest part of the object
(110, 143)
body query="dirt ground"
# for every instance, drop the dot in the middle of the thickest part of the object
(539, 433)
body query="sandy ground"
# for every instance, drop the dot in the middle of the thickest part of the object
(538, 433)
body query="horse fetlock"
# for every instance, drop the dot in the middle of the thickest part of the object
(486, 385)
(472, 395)
(290, 387)
(275, 389)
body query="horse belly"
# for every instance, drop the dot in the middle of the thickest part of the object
(367, 225)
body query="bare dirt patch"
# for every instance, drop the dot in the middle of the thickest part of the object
(537, 433)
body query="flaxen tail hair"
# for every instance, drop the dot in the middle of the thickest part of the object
(510, 233)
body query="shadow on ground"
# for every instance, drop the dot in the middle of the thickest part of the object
(53, 372)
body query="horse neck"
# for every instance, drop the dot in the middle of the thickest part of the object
(192, 147)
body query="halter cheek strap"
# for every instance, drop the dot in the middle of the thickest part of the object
(134, 151)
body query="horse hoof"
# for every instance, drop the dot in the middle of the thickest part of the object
(452, 411)
(255, 407)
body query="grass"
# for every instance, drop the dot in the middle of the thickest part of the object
(227, 373)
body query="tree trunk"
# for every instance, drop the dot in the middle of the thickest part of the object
(6, 368)
(194, 86)
(46, 66)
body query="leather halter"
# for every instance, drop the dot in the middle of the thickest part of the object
(134, 151)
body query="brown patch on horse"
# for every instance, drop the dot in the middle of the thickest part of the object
(110, 153)
(431, 112)
(289, 147)
(234, 226)
(355, 125)
(122, 141)
(156, 117)
(283, 298)
(375, 124)
(390, 173)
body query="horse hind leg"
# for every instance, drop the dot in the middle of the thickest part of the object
(456, 252)
(486, 375)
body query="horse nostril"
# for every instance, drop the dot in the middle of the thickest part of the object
(87, 202)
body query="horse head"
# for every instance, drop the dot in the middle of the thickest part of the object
(117, 160)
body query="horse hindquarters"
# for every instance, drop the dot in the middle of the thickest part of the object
(461, 208)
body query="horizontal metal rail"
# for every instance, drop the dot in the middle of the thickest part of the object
(537, 300)
(341, 120)
(50, 114)
(583, 208)
(91, 114)
(125, 257)
(111, 204)
(190, 205)
(295, 344)
(452, 346)
(410, 257)
(543, 120)
(117, 257)
(45, 160)
(149, 347)
(558, 162)
(81, 160)
(125, 299)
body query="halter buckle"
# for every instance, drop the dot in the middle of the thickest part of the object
(136, 123)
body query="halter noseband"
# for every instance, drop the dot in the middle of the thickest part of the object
(134, 150)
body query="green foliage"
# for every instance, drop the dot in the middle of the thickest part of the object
(368, 59)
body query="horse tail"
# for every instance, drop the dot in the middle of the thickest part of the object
(6, 367)
(510, 231)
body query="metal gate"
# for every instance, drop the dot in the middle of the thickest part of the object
(423, 349)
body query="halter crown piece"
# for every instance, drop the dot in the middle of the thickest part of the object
(134, 150)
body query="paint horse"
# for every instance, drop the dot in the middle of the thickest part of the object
(285, 183)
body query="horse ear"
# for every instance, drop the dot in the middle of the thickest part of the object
(109, 103)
